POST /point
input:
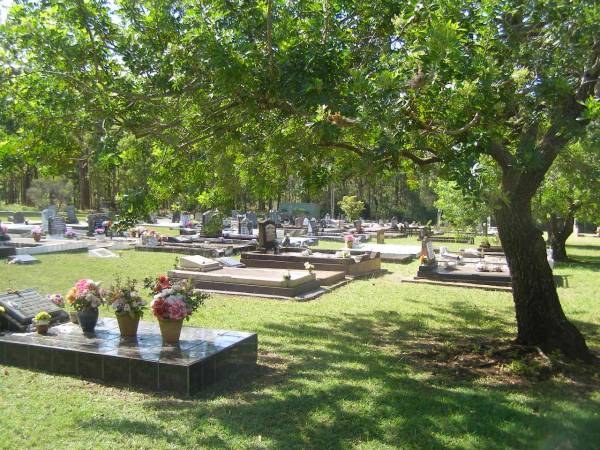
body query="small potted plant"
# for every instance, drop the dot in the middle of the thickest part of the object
(349, 240)
(173, 301)
(85, 298)
(42, 322)
(128, 305)
(37, 233)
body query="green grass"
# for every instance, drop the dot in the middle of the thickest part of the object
(337, 372)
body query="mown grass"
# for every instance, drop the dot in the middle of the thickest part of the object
(336, 372)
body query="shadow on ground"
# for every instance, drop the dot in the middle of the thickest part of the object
(305, 392)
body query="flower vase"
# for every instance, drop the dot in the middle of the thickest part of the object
(170, 330)
(349, 244)
(42, 327)
(87, 319)
(128, 325)
(37, 237)
(73, 317)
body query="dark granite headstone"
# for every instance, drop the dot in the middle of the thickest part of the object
(95, 221)
(71, 215)
(22, 306)
(56, 226)
(358, 225)
(18, 217)
(267, 235)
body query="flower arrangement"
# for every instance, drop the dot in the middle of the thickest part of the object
(348, 238)
(57, 299)
(86, 294)
(42, 317)
(70, 234)
(125, 299)
(308, 266)
(99, 230)
(36, 233)
(173, 300)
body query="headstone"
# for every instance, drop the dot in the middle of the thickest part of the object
(299, 221)
(234, 214)
(230, 262)
(71, 215)
(394, 224)
(251, 216)
(18, 217)
(427, 251)
(102, 253)
(176, 217)
(381, 236)
(313, 230)
(46, 214)
(57, 226)
(96, 221)
(185, 219)
(22, 259)
(22, 306)
(267, 235)
(198, 263)
(52, 209)
(358, 225)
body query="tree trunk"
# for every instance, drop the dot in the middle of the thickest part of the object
(559, 232)
(540, 319)
(84, 185)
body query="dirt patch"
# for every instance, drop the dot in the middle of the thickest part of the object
(498, 362)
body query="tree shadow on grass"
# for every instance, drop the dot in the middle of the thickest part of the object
(342, 380)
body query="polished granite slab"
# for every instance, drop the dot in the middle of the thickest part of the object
(202, 356)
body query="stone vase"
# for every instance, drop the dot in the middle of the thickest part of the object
(87, 319)
(128, 325)
(170, 330)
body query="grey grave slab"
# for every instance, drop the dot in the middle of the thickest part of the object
(102, 253)
(22, 306)
(23, 259)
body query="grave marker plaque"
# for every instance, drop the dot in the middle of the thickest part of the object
(57, 226)
(22, 306)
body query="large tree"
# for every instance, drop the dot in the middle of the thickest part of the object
(571, 189)
(462, 84)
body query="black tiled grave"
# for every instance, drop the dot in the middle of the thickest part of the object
(202, 356)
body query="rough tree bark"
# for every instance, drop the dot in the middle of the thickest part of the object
(559, 231)
(541, 320)
(84, 185)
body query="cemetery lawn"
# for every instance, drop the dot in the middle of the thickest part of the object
(375, 364)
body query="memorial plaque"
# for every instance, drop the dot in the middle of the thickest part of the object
(230, 262)
(22, 306)
(57, 226)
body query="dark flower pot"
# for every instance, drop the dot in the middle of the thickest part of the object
(87, 319)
